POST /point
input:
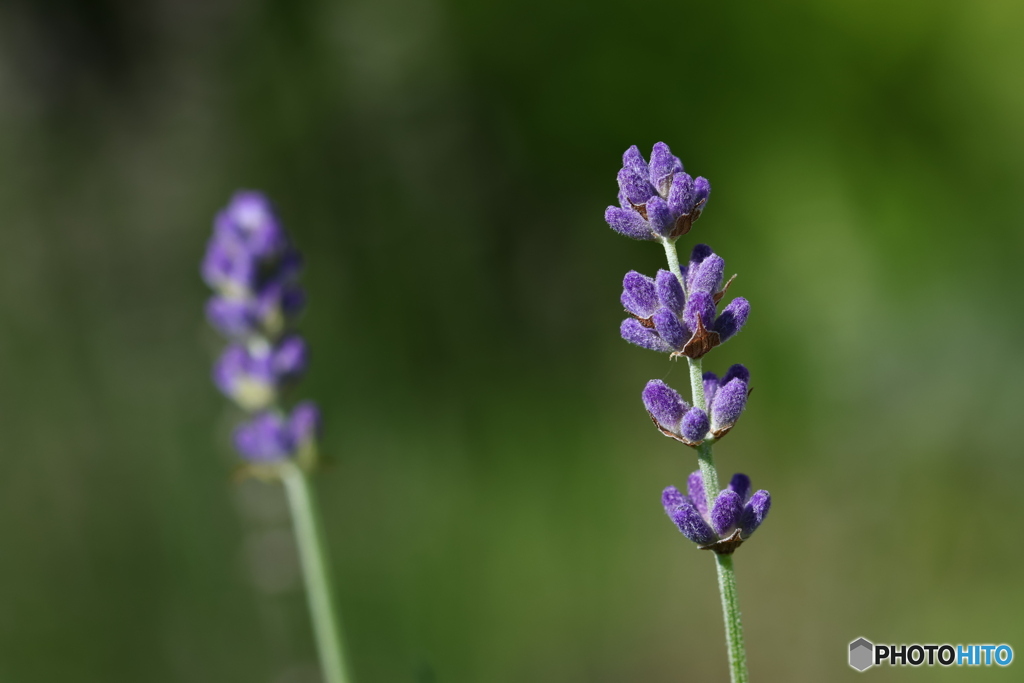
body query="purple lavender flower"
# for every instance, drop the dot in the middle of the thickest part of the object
(657, 200)
(252, 268)
(673, 415)
(666, 317)
(726, 397)
(735, 515)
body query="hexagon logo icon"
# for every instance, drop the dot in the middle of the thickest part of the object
(862, 654)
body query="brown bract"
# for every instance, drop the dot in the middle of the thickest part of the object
(677, 437)
(701, 342)
(727, 545)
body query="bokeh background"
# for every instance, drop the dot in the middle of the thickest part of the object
(492, 494)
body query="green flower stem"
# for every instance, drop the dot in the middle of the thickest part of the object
(309, 536)
(726, 573)
(733, 625)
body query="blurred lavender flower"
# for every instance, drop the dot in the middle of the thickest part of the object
(657, 199)
(252, 268)
(735, 515)
(670, 319)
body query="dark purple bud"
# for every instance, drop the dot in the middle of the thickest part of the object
(670, 292)
(633, 179)
(710, 387)
(669, 328)
(290, 358)
(638, 294)
(663, 166)
(628, 222)
(671, 498)
(661, 219)
(732, 318)
(741, 485)
(304, 424)
(725, 514)
(736, 371)
(232, 317)
(695, 424)
(729, 402)
(692, 524)
(700, 303)
(266, 437)
(708, 277)
(680, 194)
(664, 404)
(635, 333)
(754, 512)
(695, 488)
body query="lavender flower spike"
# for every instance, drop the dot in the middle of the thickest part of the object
(657, 200)
(731, 520)
(682, 321)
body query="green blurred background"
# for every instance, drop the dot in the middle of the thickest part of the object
(492, 499)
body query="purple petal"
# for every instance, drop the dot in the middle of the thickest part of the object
(638, 294)
(695, 424)
(230, 369)
(736, 371)
(250, 222)
(695, 488)
(680, 194)
(633, 178)
(264, 438)
(635, 333)
(663, 165)
(726, 512)
(670, 292)
(628, 222)
(708, 277)
(754, 512)
(692, 524)
(732, 318)
(710, 387)
(741, 485)
(290, 358)
(661, 219)
(729, 402)
(305, 423)
(700, 303)
(671, 498)
(697, 256)
(669, 328)
(231, 317)
(665, 404)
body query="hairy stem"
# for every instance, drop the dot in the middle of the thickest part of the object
(726, 573)
(733, 625)
(309, 537)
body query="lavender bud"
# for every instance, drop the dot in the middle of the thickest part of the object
(708, 277)
(633, 179)
(231, 271)
(702, 304)
(232, 317)
(730, 399)
(735, 371)
(680, 194)
(754, 512)
(638, 295)
(695, 488)
(635, 333)
(732, 318)
(740, 483)
(669, 328)
(664, 404)
(290, 358)
(725, 514)
(710, 387)
(694, 426)
(264, 438)
(701, 192)
(305, 423)
(671, 498)
(246, 377)
(663, 165)
(697, 256)
(658, 215)
(249, 222)
(670, 292)
(691, 523)
(628, 222)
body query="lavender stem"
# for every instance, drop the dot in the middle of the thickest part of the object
(726, 573)
(309, 537)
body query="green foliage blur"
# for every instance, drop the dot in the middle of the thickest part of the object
(492, 488)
